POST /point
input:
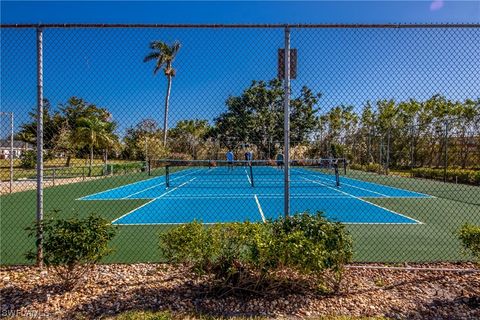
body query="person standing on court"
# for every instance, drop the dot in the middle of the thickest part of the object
(248, 157)
(280, 158)
(230, 159)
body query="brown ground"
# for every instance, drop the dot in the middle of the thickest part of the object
(25, 185)
(112, 289)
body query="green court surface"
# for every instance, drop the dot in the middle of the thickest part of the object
(433, 240)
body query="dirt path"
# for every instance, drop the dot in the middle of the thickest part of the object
(25, 185)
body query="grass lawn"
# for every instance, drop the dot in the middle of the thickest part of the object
(434, 240)
(78, 167)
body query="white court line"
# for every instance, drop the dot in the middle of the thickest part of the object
(154, 186)
(213, 223)
(344, 183)
(381, 185)
(249, 196)
(160, 196)
(169, 223)
(425, 194)
(249, 180)
(125, 185)
(130, 184)
(384, 223)
(260, 208)
(363, 200)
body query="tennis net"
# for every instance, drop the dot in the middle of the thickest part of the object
(255, 173)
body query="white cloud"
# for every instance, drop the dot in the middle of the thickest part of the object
(436, 5)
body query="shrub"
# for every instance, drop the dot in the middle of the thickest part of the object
(248, 256)
(180, 156)
(124, 167)
(470, 236)
(374, 167)
(452, 175)
(71, 246)
(28, 159)
(474, 177)
(312, 244)
(371, 167)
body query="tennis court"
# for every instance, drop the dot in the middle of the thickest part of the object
(253, 193)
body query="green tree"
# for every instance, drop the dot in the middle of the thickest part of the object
(256, 117)
(71, 112)
(367, 131)
(93, 133)
(64, 142)
(60, 125)
(131, 140)
(152, 144)
(189, 135)
(27, 138)
(303, 115)
(28, 131)
(164, 55)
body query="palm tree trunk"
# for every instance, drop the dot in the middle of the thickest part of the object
(91, 161)
(165, 119)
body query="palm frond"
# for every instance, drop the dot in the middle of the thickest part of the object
(157, 45)
(157, 67)
(151, 56)
(164, 55)
(176, 47)
(84, 122)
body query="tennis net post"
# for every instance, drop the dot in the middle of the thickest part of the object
(167, 176)
(251, 174)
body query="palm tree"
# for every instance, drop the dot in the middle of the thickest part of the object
(163, 54)
(93, 133)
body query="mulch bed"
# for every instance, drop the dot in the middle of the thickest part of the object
(27, 292)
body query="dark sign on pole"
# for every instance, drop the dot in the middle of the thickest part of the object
(281, 64)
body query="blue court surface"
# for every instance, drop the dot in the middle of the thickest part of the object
(214, 195)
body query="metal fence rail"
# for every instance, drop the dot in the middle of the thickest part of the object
(392, 109)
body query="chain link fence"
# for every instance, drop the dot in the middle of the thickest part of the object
(153, 126)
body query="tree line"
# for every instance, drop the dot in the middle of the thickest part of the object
(406, 133)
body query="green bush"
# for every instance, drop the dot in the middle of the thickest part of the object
(247, 256)
(125, 167)
(28, 159)
(374, 167)
(470, 236)
(311, 243)
(71, 246)
(474, 177)
(371, 167)
(452, 175)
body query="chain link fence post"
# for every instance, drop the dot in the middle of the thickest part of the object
(445, 156)
(287, 124)
(39, 147)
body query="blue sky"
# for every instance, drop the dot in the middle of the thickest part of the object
(347, 66)
(240, 12)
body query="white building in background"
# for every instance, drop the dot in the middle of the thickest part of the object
(18, 148)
